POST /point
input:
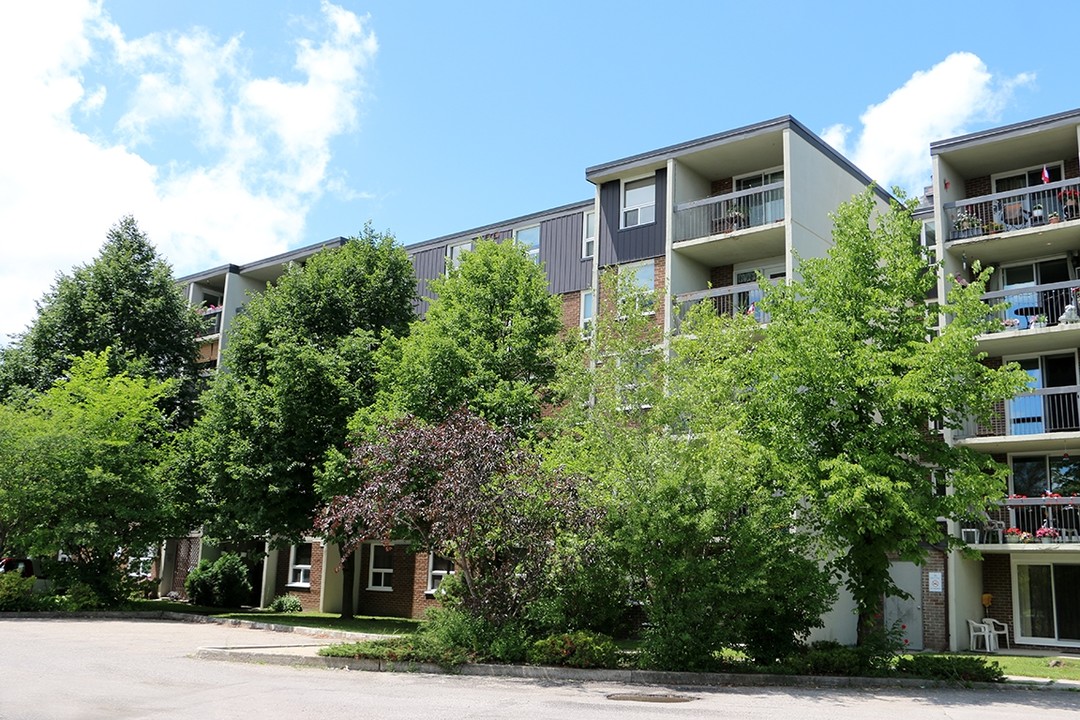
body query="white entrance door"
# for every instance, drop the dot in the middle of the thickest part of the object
(908, 612)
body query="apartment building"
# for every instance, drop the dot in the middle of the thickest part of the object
(1008, 198)
(695, 222)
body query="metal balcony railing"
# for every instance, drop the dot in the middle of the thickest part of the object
(1043, 410)
(727, 301)
(1023, 520)
(1013, 210)
(728, 213)
(1028, 304)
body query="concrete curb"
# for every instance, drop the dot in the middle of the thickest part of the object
(628, 677)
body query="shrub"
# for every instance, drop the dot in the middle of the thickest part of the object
(579, 649)
(286, 604)
(222, 583)
(17, 593)
(961, 668)
(827, 657)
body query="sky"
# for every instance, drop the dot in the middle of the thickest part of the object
(237, 130)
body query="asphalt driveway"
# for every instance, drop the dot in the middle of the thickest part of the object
(118, 669)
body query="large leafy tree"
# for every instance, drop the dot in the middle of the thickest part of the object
(298, 366)
(486, 343)
(848, 377)
(466, 490)
(125, 299)
(695, 529)
(78, 473)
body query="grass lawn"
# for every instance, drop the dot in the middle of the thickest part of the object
(322, 621)
(1039, 667)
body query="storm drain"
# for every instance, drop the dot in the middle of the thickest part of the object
(642, 697)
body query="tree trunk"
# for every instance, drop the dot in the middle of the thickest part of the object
(348, 573)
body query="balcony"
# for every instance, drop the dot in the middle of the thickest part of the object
(1036, 207)
(726, 301)
(211, 318)
(1031, 415)
(1028, 304)
(730, 213)
(1018, 521)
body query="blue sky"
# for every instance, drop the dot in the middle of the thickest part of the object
(236, 130)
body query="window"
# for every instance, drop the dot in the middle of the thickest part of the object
(530, 238)
(1030, 177)
(438, 568)
(1035, 475)
(454, 253)
(644, 281)
(1046, 601)
(381, 567)
(639, 202)
(588, 312)
(588, 235)
(300, 565)
(762, 207)
(1050, 410)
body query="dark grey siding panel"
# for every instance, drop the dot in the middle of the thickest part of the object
(637, 243)
(560, 252)
(428, 265)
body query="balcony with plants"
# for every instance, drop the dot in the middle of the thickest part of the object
(728, 301)
(1040, 207)
(1026, 522)
(728, 213)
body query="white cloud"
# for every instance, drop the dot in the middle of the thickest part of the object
(942, 102)
(216, 164)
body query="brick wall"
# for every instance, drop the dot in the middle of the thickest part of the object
(722, 276)
(571, 310)
(660, 285)
(996, 425)
(1072, 168)
(400, 601)
(977, 186)
(997, 580)
(721, 186)
(935, 608)
(309, 597)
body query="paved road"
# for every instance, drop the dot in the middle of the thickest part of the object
(90, 669)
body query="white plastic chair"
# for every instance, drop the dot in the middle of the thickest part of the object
(979, 630)
(997, 628)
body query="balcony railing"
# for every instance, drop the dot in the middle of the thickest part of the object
(728, 213)
(726, 301)
(1027, 304)
(1020, 519)
(1045, 410)
(1013, 210)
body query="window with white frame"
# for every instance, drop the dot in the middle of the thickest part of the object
(381, 567)
(639, 202)
(530, 238)
(438, 568)
(588, 234)
(300, 565)
(644, 280)
(454, 253)
(1044, 597)
(588, 312)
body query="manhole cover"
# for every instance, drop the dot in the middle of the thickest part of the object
(641, 697)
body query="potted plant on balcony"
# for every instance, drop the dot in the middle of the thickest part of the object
(1010, 323)
(736, 218)
(1037, 212)
(1037, 322)
(1053, 218)
(967, 224)
(1016, 535)
(1069, 198)
(1047, 535)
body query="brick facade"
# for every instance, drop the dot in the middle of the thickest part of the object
(722, 276)
(722, 186)
(571, 310)
(310, 597)
(935, 606)
(408, 597)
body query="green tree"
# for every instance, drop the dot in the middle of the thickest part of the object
(486, 343)
(848, 376)
(299, 364)
(694, 525)
(126, 300)
(467, 491)
(78, 474)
